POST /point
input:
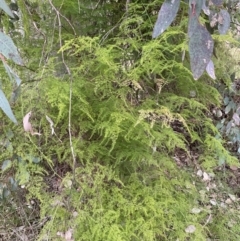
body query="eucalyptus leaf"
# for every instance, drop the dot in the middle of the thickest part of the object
(223, 21)
(5, 193)
(14, 184)
(226, 100)
(166, 16)
(4, 105)
(233, 104)
(6, 8)
(195, 7)
(6, 165)
(219, 125)
(210, 70)
(192, 24)
(200, 47)
(205, 8)
(12, 75)
(8, 49)
(228, 108)
(15, 94)
(216, 2)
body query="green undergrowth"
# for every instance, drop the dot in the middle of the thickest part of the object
(139, 131)
(125, 133)
(146, 205)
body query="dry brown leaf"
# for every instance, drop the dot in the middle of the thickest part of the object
(233, 168)
(27, 125)
(68, 235)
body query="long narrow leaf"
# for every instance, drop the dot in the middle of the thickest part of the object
(5, 8)
(9, 50)
(166, 15)
(12, 74)
(210, 69)
(4, 105)
(200, 47)
(224, 20)
(195, 7)
(15, 94)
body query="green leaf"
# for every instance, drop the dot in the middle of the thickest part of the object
(226, 100)
(192, 24)
(223, 21)
(15, 94)
(217, 2)
(200, 47)
(228, 108)
(210, 70)
(6, 165)
(195, 7)
(8, 49)
(166, 15)
(205, 8)
(12, 74)
(5, 193)
(5, 8)
(4, 105)
(14, 184)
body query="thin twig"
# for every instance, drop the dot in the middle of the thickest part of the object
(117, 25)
(69, 128)
(79, 7)
(127, 6)
(59, 15)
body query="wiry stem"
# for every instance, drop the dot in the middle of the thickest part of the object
(127, 6)
(59, 15)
